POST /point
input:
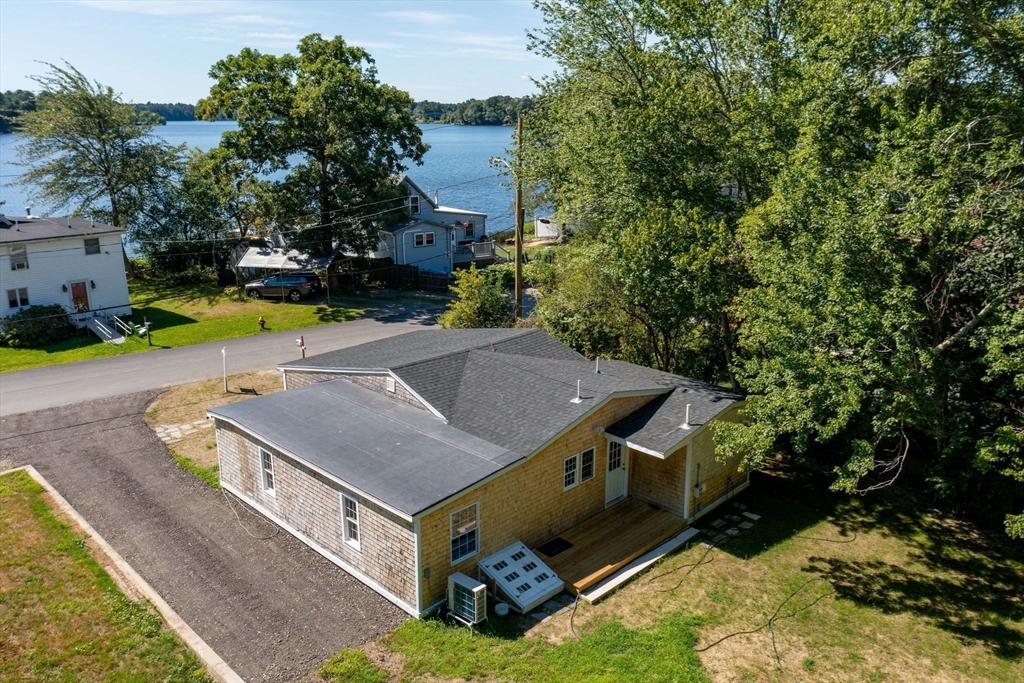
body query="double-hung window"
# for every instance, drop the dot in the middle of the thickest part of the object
(470, 229)
(92, 245)
(267, 465)
(16, 298)
(464, 532)
(414, 204)
(423, 239)
(570, 472)
(350, 518)
(587, 465)
(19, 257)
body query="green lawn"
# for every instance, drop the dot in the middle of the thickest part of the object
(183, 316)
(878, 589)
(61, 615)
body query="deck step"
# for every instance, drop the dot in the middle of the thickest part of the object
(610, 583)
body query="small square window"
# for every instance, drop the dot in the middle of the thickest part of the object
(350, 514)
(569, 473)
(470, 229)
(429, 237)
(17, 297)
(587, 465)
(92, 245)
(19, 257)
(267, 465)
(417, 239)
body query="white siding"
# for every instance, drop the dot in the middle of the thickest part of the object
(53, 264)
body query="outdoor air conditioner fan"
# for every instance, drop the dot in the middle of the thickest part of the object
(467, 599)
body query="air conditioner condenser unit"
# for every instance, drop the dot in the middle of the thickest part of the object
(467, 599)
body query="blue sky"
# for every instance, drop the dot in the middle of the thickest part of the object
(162, 50)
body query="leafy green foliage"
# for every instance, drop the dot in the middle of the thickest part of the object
(326, 106)
(35, 326)
(483, 301)
(88, 150)
(494, 111)
(14, 103)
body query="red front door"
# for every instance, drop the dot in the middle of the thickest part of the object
(79, 296)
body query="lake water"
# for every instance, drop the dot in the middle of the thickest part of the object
(457, 166)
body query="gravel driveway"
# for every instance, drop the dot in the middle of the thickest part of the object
(267, 604)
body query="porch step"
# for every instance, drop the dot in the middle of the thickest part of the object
(600, 590)
(107, 334)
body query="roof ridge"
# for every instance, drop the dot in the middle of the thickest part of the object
(472, 348)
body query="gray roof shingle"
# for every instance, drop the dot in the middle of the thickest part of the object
(24, 229)
(393, 452)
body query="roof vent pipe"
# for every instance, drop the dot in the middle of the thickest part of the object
(579, 398)
(686, 424)
(28, 212)
(597, 365)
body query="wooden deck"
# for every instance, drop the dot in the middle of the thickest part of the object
(608, 541)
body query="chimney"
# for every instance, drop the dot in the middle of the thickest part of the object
(28, 212)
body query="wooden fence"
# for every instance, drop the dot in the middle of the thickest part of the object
(359, 271)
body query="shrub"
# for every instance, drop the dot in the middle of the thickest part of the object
(483, 301)
(35, 326)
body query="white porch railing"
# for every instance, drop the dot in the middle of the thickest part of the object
(474, 251)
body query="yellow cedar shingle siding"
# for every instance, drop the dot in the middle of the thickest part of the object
(311, 504)
(720, 478)
(659, 482)
(526, 503)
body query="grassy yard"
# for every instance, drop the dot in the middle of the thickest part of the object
(61, 615)
(187, 403)
(877, 589)
(187, 315)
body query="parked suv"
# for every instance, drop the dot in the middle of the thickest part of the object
(295, 287)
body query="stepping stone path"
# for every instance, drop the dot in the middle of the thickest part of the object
(746, 525)
(553, 607)
(751, 516)
(174, 433)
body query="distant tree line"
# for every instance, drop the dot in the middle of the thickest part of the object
(14, 103)
(500, 110)
(177, 111)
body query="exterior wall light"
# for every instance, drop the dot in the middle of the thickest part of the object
(92, 283)
(64, 287)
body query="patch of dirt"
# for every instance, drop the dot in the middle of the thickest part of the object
(189, 402)
(200, 447)
(381, 656)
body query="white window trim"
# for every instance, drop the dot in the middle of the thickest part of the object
(608, 460)
(575, 472)
(267, 457)
(351, 542)
(476, 528)
(98, 246)
(414, 204)
(423, 239)
(17, 295)
(390, 385)
(593, 464)
(19, 254)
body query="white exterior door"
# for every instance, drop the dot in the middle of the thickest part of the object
(616, 480)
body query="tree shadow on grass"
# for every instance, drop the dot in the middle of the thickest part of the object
(974, 600)
(160, 318)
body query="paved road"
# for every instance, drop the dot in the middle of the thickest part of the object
(269, 605)
(59, 385)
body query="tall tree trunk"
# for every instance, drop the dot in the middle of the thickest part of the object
(115, 216)
(326, 206)
(727, 347)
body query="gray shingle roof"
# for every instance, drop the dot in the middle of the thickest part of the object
(393, 452)
(25, 229)
(657, 425)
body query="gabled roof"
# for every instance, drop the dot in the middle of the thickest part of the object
(657, 426)
(502, 394)
(394, 453)
(15, 229)
(403, 178)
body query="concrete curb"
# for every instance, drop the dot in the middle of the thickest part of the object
(217, 667)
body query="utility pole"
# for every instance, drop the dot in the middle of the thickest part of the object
(517, 311)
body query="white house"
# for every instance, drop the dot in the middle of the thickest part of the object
(73, 262)
(437, 238)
